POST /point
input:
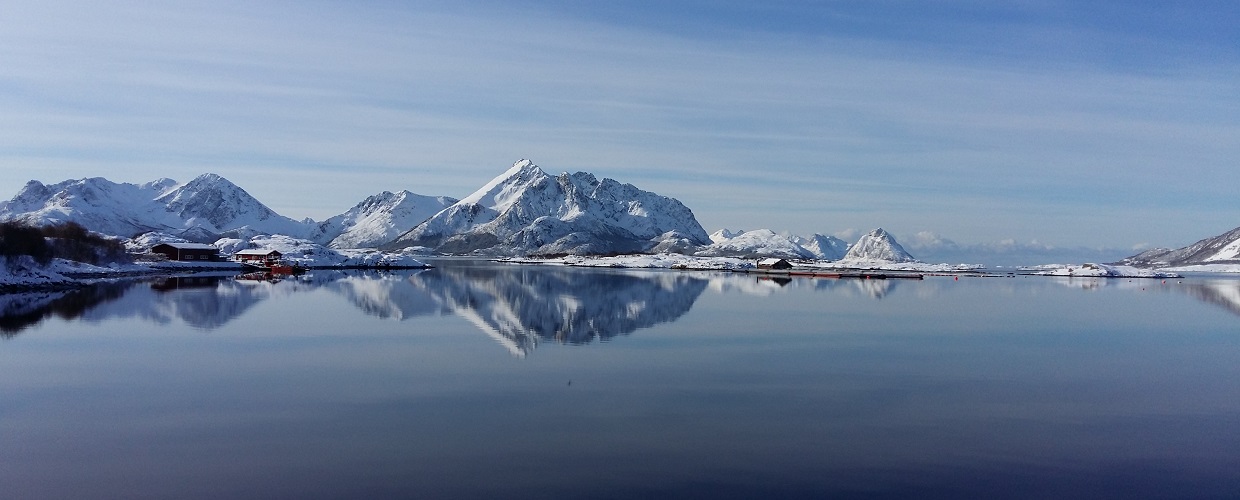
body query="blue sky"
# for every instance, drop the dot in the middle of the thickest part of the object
(1112, 124)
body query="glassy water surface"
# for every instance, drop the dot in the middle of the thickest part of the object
(477, 380)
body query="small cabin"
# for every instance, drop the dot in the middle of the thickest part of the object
(774, 264)
(257, 256)
(187, 251)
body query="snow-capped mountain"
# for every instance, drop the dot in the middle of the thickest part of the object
(766, 243)
(525, 211)
(753, 244)
(198, 210)
(215, 204)
(1221, 249)
(823, 247)
(96, 203)
(378, 219)
(209, 207)
(878, 245)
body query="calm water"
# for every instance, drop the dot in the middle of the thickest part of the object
(481, 381)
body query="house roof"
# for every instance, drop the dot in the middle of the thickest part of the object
(255, 251)
(769, 261)
(188, 246)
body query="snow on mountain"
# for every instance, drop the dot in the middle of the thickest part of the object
(823, 247)
(724, 235)
(100, 205)
(209, 207)
(215, 204)
(878, 245)
(1221, 249)
(526, 211)
(378, 219)
(753, 244)
(198, 210)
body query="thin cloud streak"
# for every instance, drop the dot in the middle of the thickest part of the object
(916, 135)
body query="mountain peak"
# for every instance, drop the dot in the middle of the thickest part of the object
(526, 211)
(502, 191)
(878, 245)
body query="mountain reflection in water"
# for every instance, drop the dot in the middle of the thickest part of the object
(518, 305)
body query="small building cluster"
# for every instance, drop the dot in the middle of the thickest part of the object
(194, 252)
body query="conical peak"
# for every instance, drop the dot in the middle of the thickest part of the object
(501, 191)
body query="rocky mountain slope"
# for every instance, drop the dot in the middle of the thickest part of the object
(823, 247)
(209, 207)
(1221, 249)
(878, 245)
(378, 219)
(753, 244)
(198, 210)
(525, 211)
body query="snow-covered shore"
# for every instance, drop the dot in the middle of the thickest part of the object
(23, 273)
(689, 262)
(1098, 271)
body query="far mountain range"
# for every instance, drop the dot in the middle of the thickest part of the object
(523, 211)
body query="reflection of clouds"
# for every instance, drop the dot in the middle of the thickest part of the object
(521, 306)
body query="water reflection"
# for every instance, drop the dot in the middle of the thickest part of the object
(19, 311)
(519, 306)
(205, 302)
(1224, 293)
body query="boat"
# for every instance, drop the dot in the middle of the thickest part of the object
(285, 268)
(277, 267)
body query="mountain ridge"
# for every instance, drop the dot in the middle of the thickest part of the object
(525, 211)
(1221, 249)
(207, 208)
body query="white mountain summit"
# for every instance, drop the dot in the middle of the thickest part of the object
(878, 245)
(753, 244)
(525, 211)
(207, 208)
(378, 219)
(198, 210)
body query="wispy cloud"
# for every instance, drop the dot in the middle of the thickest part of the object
(800, 128)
